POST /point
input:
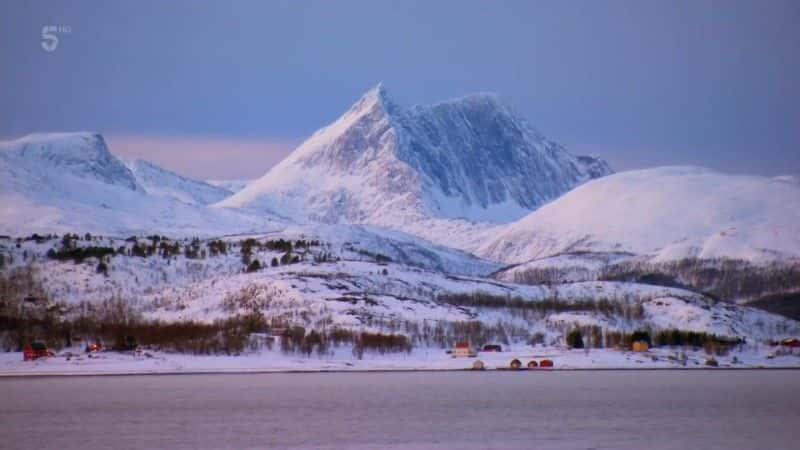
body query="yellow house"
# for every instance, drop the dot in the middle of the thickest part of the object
(640, 346)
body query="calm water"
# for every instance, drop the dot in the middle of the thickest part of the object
(453, 410)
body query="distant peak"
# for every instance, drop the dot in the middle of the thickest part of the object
(60, 145)
(75, 136)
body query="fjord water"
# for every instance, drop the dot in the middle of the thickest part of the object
(520, 410)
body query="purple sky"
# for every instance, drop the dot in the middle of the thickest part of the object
(226, 89)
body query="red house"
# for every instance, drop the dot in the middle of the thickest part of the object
(463, 350)
(35, 350)
(791, 342)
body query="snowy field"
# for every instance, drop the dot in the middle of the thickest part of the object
(75, 362)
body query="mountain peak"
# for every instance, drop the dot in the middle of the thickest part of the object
(79, 140)
(471, 158)
(375, 98)
(82, 154)
(378, 91)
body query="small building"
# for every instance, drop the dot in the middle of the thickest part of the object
(791, 342)
(546, 363)
(515, 364)
(640, 346)
(789, 346)
(478, 365)
(492, 348)
(532, 364)
(35, 350)
(463, 350)
(94, 347)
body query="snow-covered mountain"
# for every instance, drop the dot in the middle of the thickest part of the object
(426, 170)
(80, 155)
(71, 182)
(365, 277)
(59, 182)
(159, 181)
(233, 186)
(668, 213)
(351, 289)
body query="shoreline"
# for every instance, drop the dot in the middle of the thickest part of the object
(4, 375)
(425, 360)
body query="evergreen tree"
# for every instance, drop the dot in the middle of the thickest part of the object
(575, 339)
(254, 266)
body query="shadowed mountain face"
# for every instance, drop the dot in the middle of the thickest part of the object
(480, 151)
(471, 158)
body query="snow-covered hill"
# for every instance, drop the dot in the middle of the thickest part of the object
(354, 290)
(159, 181)
(59, 182)
(427, 170)
(666, 213)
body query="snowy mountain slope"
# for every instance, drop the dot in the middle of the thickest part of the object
(71, 182)
(364, 294)
(233, 186)
(365, 242)
(425, 170)
(561, 268)
(81, 155)
(351, 295)
(666, 213)
(158, 181)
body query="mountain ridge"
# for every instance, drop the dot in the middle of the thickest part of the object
(62, 182)
(156, 180)
(465, 161)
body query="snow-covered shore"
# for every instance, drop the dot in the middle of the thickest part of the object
(113, 363)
